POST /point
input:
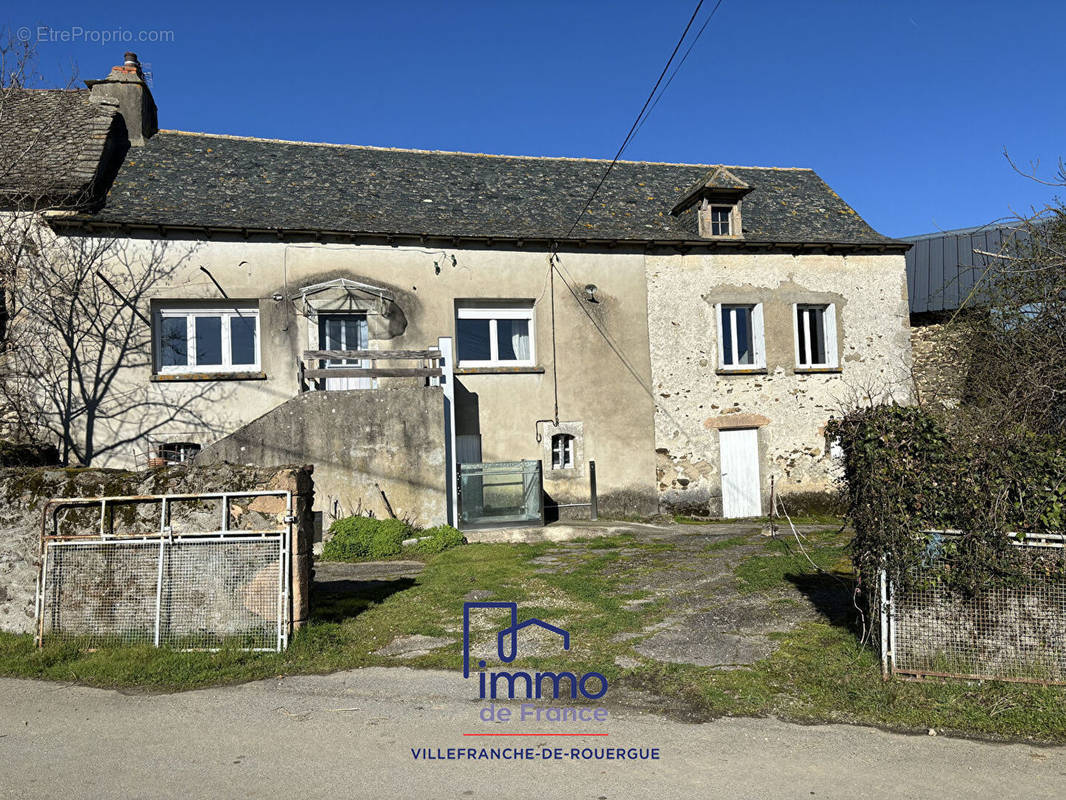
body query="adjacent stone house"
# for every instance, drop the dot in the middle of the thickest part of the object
(792, 310)
(691, 334)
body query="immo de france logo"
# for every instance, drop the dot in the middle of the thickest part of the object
(518, 683)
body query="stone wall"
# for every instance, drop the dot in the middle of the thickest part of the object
(1011, 633)
(26, 491)
(941, 358)
(357, 440)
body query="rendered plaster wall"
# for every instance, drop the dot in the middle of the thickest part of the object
(362, 443)
(26, 490)
(694, 399)
(602, 360)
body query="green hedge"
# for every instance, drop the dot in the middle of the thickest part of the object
(905, 472)
(356, 538)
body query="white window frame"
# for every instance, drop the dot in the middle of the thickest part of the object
(492, 314)
(567, 441)
(829, 327)
(321, 321)
(227, 313)
(835, 449)
(757, 341)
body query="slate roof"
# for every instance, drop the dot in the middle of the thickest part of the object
(52, 143)
(203, 180)
(722, 178)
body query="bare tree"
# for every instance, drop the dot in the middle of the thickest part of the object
(1017, 330)
(80, 346)
(77, 346)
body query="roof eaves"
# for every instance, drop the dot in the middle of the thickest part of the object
(87, 221)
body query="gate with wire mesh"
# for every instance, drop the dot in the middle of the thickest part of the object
(189, 590)
(1009, 633)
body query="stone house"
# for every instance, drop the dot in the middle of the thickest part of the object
(691, 334)
(792, 310)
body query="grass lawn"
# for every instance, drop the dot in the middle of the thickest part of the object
(819, 672)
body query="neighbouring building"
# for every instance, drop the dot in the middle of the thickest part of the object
(944, 272)
(691, 334)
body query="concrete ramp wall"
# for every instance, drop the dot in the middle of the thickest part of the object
(356, 440)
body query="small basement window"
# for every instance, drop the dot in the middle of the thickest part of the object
(495, 336)
(562, 451)
(816, 339)
(207, 339)
(176, 452)
(740, 337)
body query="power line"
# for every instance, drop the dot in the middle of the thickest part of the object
(680, 63)
(649, 104)
(636, 122)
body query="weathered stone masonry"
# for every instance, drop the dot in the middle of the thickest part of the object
(25, 492)
(789, 407)
(941, 359)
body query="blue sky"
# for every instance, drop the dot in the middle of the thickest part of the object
(904, 108)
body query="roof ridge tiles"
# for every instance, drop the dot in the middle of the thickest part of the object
(467, 153)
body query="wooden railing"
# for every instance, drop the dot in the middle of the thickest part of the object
(309, 371)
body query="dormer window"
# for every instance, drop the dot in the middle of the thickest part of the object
(716, 200)
(719, 219)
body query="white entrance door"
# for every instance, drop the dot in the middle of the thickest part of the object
(344, 332)
(740, 473)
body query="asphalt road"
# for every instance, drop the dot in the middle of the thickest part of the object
(350, 735)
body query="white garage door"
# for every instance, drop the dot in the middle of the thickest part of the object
(740, 473)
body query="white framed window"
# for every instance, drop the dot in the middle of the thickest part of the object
(562, 451)
(207, 339)
(740, 337)
(495, 336)
(816, 336)
(834, 448)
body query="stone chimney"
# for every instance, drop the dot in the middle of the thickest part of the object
(126, 85)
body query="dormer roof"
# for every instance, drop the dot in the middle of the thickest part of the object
(718, 184)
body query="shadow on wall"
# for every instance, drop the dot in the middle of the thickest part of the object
(629, 503)
(361, 443)
(695, 501)
(467, 411)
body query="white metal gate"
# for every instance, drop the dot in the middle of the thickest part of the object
(190, 590)
(741, 492)
(1014, 632)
